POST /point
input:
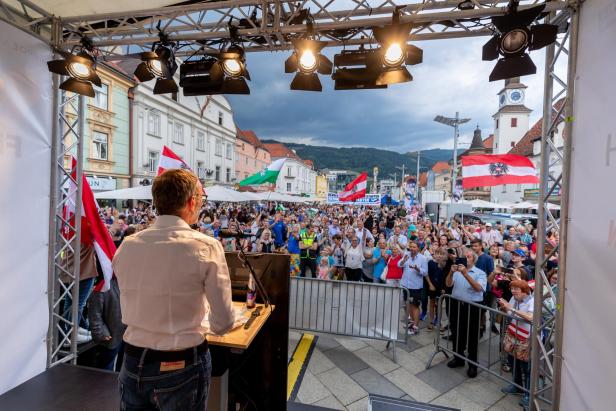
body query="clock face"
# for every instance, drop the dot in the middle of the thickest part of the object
(516, 96)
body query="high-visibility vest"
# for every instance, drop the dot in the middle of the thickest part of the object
(307, 240)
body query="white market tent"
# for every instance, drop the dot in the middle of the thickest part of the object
(527, 205)
(214, 193)
(487, 204)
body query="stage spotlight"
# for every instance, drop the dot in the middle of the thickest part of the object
(357, 78)
(306, 61)
(150, 67)
(196, 79)
(466, 5)
(80, 69)
(516, 35)
(228, 72)
(159, 64)
(395, 52)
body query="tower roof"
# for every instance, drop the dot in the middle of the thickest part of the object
(477, 142)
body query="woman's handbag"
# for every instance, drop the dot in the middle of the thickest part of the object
(519, 348)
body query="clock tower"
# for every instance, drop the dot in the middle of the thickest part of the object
(511, 119)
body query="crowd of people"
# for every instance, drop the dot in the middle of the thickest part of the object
(484, 264)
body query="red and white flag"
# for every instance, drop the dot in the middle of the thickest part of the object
(497, 169)
(355, 190)
(169, 160)
(93, 230)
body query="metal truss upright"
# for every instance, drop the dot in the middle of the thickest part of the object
(64, 232)
(546, 350)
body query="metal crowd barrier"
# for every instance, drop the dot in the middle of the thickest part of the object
(353, 309)
(463, 327)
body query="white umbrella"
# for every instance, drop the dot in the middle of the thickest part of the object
(133, 193)
(487, 204)
(221, 193)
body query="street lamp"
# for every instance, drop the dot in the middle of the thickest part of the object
(453, 122)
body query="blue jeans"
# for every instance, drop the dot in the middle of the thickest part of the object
(85, 288)
(147, 388)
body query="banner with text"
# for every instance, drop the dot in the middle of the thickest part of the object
(368, 200)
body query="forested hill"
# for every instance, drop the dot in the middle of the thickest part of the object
(364, 159)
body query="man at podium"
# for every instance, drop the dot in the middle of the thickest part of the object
(164, 273)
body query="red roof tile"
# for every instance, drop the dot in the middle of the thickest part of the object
(278, 150)
(249, 136)
(525, 145)
(489, 142)
(309, 163)
(423, 179)
(441, 166)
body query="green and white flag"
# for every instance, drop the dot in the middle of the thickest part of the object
(268, 175)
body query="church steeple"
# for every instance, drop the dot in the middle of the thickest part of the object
(477, 143)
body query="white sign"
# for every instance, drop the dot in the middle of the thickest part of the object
(368, 200)
(589, 362)
(102, 183)
(25, 164)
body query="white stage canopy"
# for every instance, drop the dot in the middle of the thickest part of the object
(487, 204)
(214, 193)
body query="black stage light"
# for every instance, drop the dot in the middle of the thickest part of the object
(395, 53)
(466, 5)
(196, 78)
(516, 35)
(163, 68)
(81, 70)
(357, 78)
(306, 61)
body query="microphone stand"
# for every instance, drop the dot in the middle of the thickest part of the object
(244, 259)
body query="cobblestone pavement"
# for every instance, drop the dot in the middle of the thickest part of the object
(342, 371)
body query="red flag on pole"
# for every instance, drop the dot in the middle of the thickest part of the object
(497, 169)
(93, 230)
(169, 160)
(356, 189)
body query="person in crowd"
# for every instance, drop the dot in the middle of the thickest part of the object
(308, 251)
(490, 236)
(394, 271)
(294, 250)
(362, 233)
(265, 244)
(468, 285)
(415, 269)
(354, 257)
(379, 259)
(105, 316)
(434, 282)
(325, 269)
(165, 348)
(397, 239)
(517, 341)
(279, 231)
(338, 253)
(368, 263)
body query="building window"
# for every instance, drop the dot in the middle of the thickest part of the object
(229, 153)
(152, 159)
(218, 150)
(200, 169)
(504, 188)
(101, 97)
(101, 145)
(514, 122)
(518, 188)
(289, 172)
(237, 175)
(217, 173)
(513, 144)
(200, 140)
(178, 133)
(496, 123)
(154, 124)
(174, 96)
(220, 118)
(288, 186)
(228, 175)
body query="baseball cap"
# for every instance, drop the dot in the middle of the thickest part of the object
(520, 252)
(412, 227)
(488, 224)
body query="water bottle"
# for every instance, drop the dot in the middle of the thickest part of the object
(251, 295)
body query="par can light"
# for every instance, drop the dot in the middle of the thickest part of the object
(394, 56)
(514, 41)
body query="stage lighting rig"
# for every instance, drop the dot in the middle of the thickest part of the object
(306, 61)
(348, 76)
(80, 67)
(159, 63)
(395, 52)
(515, 36)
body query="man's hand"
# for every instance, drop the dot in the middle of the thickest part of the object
(462, 269)
(431, 287)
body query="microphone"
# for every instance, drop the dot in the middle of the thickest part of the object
(232, 234)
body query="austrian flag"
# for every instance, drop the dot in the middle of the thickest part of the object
(497, 169)
(170, 160)
(356, 189)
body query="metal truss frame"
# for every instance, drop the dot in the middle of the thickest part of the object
(546, 350)
(64, 234)
(270, 26)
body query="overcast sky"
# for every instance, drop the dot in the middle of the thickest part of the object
(452, 77)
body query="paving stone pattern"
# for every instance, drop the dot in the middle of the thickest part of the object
(342, 371)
